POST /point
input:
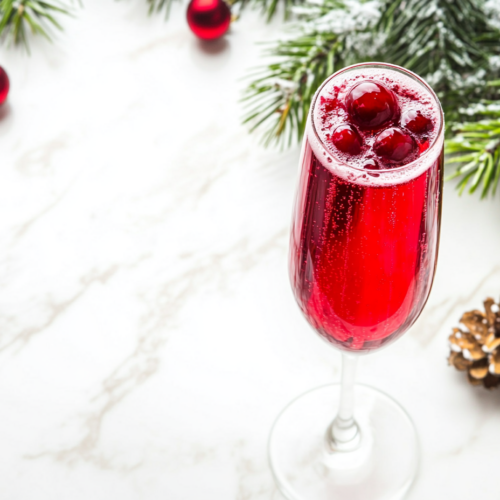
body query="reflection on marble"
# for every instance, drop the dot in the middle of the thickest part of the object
(148, 336)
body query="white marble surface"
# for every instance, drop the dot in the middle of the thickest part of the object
(148, 335)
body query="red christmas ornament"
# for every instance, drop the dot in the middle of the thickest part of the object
(208, 19)
(4, 85)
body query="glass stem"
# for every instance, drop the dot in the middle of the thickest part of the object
(343, 433)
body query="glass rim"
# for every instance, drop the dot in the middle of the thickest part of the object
(399, 69)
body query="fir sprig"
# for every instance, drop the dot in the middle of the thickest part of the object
(452, 44)
(449, 43)
(475, 148)
(278, 99)
(19, 17)
(269, 7)
(159, 5)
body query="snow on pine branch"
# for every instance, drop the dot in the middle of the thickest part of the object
(326, 16)
(492, 8)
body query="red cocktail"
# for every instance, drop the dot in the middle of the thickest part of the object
(363, 253)
(364, 240)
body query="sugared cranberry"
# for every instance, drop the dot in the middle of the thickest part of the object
(414, 121)
(393, 144)
(371, 104)
(371, 164)
(346, 139)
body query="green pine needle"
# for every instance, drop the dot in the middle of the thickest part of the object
(475, 149)
(159, 5)
(19, 17)
(269, 7)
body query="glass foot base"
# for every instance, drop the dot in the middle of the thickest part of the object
(382, 467)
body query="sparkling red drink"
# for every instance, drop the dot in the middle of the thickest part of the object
(365, 235)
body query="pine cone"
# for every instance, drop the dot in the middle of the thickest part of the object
(477, 349)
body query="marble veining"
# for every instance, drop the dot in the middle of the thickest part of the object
(148, 335)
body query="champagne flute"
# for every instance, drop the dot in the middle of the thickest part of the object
(363, 253)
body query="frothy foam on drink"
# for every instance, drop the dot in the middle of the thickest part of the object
(331, 111)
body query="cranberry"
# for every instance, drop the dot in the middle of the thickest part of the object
(393, 144)
(346, 138)
(371, 104)
(415, 121)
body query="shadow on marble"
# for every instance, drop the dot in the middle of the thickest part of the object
(213, 47)
(5, 116)
(210, 55)
(487, 399)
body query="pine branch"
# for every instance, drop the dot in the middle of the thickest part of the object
(269, 7)
(19, 17)
(449, 43)
(453, 44)
(475, 149)
(279, 98)
(159, 5)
